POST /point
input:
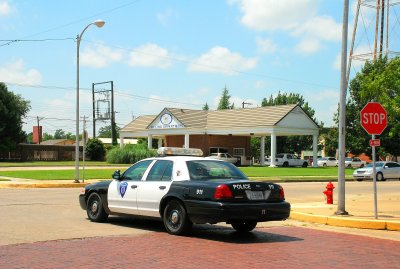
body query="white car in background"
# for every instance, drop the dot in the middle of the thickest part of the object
(225, 157)
(327, 161)
(354, 162)
(384, 170)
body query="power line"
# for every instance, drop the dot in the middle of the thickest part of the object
(10, 41)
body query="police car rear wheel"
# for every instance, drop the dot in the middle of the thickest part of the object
(244, 227)
(95, 210)
(176, 220)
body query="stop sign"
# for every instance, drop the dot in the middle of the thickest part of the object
(373, 118)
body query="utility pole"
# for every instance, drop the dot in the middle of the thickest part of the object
(245, 103)
(341, 210)
(84, 148)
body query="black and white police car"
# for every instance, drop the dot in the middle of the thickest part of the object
(186, 189)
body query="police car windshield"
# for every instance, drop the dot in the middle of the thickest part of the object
(210, 169)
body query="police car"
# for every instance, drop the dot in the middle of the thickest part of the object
(186, 189)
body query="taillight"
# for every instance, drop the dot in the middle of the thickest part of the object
(281, 193)
(223, 192)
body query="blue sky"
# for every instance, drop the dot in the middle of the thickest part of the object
(171, 53)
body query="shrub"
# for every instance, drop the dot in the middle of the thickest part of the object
(129, 154)
(95, 149)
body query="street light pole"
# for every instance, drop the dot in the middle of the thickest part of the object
(341, 209)
(98, 23)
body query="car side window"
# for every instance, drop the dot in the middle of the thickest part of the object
(390, 165)
(136, 171)
(395, 165)
(161, 171)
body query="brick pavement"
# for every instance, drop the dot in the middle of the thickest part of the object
(276, 247)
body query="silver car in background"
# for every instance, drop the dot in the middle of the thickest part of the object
(384, 170)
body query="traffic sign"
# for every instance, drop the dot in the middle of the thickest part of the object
(373, 118)
(375, 142)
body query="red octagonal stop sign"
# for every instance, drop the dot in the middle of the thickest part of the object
(373, 118)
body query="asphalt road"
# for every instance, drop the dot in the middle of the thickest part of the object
(31, 215)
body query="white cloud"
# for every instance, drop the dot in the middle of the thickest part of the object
(17, 73)
(100, 56)
(150, 55)
(236, 101)
(322, 27)
(308, 46)
(5, 8)
(325, 104)
(222, 60)
(165, 16)
(360, 55)
(298, 18)
(266, 45)
(274, 15)
(260, 84)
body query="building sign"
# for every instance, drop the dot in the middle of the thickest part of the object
(166, 121)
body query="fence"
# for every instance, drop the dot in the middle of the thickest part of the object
(34, 152)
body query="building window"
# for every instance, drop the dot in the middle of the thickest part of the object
(218, 150)
(237, 152)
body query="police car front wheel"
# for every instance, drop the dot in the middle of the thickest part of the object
(175, 218)
(94, 209)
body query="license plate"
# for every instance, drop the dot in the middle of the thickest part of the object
(255, 195)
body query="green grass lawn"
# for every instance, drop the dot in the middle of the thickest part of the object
(59, 174)
(258, 172)
(47, 163)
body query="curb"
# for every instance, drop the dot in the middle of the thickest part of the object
(41, 185)
(347, 221)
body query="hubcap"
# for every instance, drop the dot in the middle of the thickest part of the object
(94, 207)
(174, 217)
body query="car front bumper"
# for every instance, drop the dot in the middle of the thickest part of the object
(82, 201)
(214, 212)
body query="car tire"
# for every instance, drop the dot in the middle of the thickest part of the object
(285, 164)
(349, 166)
(305, 164)
(379, 177)
(244, 227)
(324, 165)
(94, 209)
(359, 179)
(362, 166)
(175, 219)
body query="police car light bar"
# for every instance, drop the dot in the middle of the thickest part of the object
(172, 151)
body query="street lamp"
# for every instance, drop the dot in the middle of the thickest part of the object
(98, 23)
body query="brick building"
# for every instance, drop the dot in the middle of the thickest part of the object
(227, 130)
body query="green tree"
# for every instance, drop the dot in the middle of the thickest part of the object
(290, 143)
(378, 81)
(47, 136)
(95, 149)
(224, 101)
(105, 132)
(59, 134)
(13, 109)
(205, 107)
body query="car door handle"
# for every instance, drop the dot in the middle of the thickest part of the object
(162, 187)
(133, 186)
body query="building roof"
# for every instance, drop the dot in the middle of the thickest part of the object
(243, 120)
(58, 142)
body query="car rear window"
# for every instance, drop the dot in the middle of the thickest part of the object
(208, 169)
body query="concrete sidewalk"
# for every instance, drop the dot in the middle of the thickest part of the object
(304, 208)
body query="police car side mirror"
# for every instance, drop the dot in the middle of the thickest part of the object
(117, 175)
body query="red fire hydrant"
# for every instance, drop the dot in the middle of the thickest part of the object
(329, 193)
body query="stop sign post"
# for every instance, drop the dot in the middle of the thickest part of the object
(374, 121)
